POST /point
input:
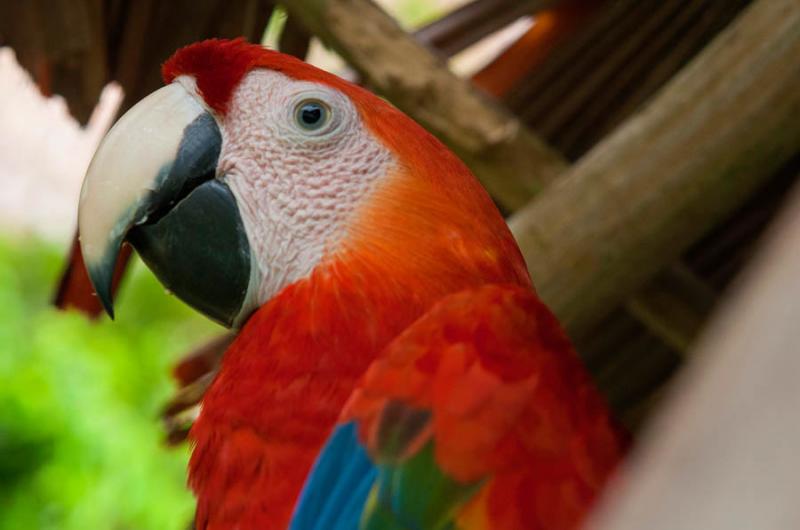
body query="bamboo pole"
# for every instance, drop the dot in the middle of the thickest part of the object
(700, 147)
(723, 453)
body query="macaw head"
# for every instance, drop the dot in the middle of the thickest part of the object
(251, 170)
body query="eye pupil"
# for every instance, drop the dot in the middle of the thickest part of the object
(311, 115)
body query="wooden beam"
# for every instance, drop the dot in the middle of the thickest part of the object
(635, 202)
(723, 454)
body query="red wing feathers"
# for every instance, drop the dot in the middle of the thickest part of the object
(510, 403)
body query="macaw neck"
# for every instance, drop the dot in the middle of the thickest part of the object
(280, 389)
(321, 330)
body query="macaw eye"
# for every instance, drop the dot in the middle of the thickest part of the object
(311, 114)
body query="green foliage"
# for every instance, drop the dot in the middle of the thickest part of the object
(415, 13)
(80, 441)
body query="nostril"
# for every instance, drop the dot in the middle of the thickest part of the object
(199, 251)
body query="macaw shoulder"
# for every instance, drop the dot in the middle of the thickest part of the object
(488, 381)
(502, 331)
(479, 360)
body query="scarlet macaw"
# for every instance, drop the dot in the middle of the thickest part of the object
(388, 326)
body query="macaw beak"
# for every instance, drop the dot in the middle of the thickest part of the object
(153, 183)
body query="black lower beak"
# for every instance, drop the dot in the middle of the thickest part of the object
(199, 251)
(183, 221)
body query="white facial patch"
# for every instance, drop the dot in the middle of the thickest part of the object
(296, 188)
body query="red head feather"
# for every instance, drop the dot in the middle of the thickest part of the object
(218, 65)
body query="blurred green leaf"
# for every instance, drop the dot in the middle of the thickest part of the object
(415, 13)
(80, 440)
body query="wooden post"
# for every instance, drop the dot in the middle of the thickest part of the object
(723, 454)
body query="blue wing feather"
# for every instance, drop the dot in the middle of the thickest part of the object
(345, 490)
(338, 485)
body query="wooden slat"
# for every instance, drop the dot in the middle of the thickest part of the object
(623, 69)
(719, 255)
(690, 37)
(598, 79)
(294, 39)
(675, 306)
(541, 91)
(470, 23)
(607, 62)
(153, 30)
(62, 44)
(551, 29)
